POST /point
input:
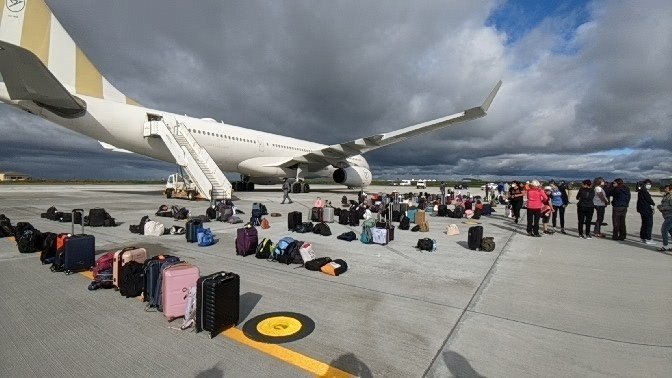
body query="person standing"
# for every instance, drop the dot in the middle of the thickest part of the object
(535, 200)
(585, 208)
(665, 208)
(286, 188)
(645, 206)
(600, 203)
(559, 200)
(620, 199)
(516, 199)
(442, 188)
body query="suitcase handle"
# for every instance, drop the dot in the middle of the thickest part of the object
(127, 249)
(81, 212)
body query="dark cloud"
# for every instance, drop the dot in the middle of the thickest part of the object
(334, 71)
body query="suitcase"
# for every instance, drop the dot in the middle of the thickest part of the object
(475, 237)
(343, 217)
(328, 214)
(379, 235)
(176, 281)
(442, 211)
(247, 240)
(410, 213)
(191, 230)
(77, 252)
(123, 257)
(420, 217)
(217, 302)
(353, 218)
(316, 214)
(152, 269)
(294, 219)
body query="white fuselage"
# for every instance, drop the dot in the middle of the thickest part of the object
(233, 148)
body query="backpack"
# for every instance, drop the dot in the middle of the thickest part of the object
(304, 227)
(28, 241)
(347, 236)
(334, 268)
(281, 247)
(405, 223)
(294, 255)
(255, 221)
(205, 237)
(322, 229)
(426, 244)
(317, 263)
(488, 244)
(264, 249)
(265, 224)
(102, 272)
(103, 263)
(182, 214)
(211, 213)
(132, 279)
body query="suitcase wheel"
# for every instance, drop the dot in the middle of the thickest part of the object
(67, 272)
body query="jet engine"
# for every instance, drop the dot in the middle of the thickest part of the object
(355, 177)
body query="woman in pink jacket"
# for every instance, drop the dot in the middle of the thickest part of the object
(535, 201)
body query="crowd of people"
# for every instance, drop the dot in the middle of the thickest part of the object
(548, 204)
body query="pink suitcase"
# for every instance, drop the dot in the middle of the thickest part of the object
(123, 257)
(175, 284)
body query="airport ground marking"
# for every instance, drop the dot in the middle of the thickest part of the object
(311, 365)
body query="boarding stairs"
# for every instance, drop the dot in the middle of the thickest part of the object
(194, 159)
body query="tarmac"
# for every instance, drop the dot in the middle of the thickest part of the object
(552, 306)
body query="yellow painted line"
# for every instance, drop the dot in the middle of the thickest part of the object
(311, 365)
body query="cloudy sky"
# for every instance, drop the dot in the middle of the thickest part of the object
(587, 84)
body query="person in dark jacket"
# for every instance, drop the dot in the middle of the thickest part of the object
(585, 208)
(645, 206)
(620, 199)
(665, 208)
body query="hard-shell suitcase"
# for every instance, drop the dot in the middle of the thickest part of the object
(353, 218)
(247, 240)
(343, 217)
(78, 252)
(217, 302)
(177, 279)
(191, 230)
(152, 268)
(316, 214)
(328, 214)
(475, 237)
(410, 213)
(294, 218)
(123, 257)
(420, 217)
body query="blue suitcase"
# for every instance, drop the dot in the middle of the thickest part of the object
(192, 230)
(78, 252)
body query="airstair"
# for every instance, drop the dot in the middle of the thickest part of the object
(194, 159)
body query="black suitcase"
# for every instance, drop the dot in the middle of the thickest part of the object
(343, 217)
(443, 211)
(294, 219)
(353, 218)
(191, 230)
(79, 251)
(217, 302)
(475, 237)
(151, 271)
(316, 214)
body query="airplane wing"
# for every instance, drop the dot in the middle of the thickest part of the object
(339, 152)
(26, 78)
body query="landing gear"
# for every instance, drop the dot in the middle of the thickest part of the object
(241, 186)
(300, 187)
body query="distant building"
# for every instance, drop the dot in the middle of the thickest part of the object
(13, 176)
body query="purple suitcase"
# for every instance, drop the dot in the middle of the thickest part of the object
(246, 241)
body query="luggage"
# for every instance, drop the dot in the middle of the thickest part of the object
(176, 281)
(317, 263)
(264, 249)
(322, 229)
(294, 218)
(487, 209)
(316, 214)
(306, 252)
(353, 218)
(152, 272)
(379, 236)
(426, 244)
(29, 241)
(265, 224)
(442, 211)
(344, 217)
(217, 302)
(153, 228)
(410, 213)
(247, 240)
(131, 282)
(282, 249)
(420, 217)
(347, 236)
(211, 212)
(102, 272)
(475, 237)
(192, 230)
(334, 268)
(328, 214)
(205, 237)
(304, 227)
(48, 248)
(404, 223)
(123, 257)
(78, 252)
(488, 244)
(452, 230)
(97, 217)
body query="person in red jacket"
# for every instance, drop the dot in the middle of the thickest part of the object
(535, 201)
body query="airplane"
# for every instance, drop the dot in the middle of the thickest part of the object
(45, 73)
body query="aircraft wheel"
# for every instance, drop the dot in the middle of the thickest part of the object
(305, 188)
(250, 187)
(296, 188)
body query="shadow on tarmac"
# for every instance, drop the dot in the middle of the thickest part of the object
(351, 364)
(247, 303)
(213, 372)
(459, 366)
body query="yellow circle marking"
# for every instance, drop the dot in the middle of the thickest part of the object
(279, 326)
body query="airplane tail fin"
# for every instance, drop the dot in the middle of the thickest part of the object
(30, 25)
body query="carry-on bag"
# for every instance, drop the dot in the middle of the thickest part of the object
(328, 214)
(123, 257)
(247, 240)
(177, 280)
(217, 302)
(78, 251)
(192, 230)
(316, 214)
(475, 237)
(152, 272)
(294, 219)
